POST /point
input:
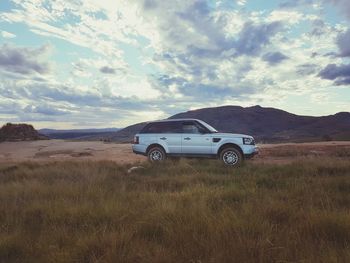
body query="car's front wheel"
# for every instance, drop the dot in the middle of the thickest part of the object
(231, 156)
(156, 154)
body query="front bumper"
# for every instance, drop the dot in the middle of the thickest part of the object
(251, 152)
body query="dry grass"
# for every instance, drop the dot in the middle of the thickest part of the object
(182, 211)
(300, 150)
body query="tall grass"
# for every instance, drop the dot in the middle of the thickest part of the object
(181, 211)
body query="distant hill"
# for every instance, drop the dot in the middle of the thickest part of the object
(78, 133)
(20, 132)
(265, 124)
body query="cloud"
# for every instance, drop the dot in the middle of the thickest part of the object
(185, 90)
(319, 27)
(241, 2)
(343, 41)
(332, 71)
(201, 51)
(306, 69)
(274, 58)
(45, 109)
(42, 92)
(343, 6)
(9, 107)
(196, 28)
(295, 3)
(24, 60)
(55, 102)
(160, 57)
(107, 70)
(341, 73)
(6, 34)
(254, 37)
(343, 81)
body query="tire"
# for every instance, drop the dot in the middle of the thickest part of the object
(156, 154)
(231, 157)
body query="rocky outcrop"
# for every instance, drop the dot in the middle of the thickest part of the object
(20, 132)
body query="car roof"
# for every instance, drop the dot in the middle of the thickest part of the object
(170, 120)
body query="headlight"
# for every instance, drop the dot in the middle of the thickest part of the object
(249, 141)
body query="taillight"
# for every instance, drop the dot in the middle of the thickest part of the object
(136, 139)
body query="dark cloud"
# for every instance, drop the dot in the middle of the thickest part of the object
(307, 69)
(107, 70)
(342, 82)
(254, 37)
(199, 30)
(318, 27)
(250, 41)
(332, 71)
(341, 73)
(274, 58)
(198, 57)
(205, 92)
(331, 54)
(200, 65)
(343, 41)
(23, 60)
(199, 17)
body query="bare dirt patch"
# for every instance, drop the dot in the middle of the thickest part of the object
(62, 154)
(60, 150)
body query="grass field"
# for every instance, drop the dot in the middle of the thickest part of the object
(182, 211)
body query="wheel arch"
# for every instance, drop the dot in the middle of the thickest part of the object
(227, 145)
(154, 145)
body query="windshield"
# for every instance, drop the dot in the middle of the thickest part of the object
(210, 128)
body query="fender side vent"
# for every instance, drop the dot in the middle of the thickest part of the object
(216, 139)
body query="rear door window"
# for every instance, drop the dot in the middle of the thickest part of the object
(163, 127)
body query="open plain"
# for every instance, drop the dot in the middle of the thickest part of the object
(66, 201)
(61, 150)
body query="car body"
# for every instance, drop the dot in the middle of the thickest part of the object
(192, 138)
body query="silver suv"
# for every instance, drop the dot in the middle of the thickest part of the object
(192, 138)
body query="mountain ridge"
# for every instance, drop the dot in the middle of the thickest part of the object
(77, 133)
(265, 124)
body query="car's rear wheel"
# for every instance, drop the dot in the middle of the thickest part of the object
(231, 156)
(156, 154)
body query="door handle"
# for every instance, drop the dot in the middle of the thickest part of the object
(187, 138)
(163, 138)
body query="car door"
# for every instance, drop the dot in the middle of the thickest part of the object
(194, 139)
(169, 133)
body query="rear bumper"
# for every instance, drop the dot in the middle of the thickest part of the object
(139, 149)
(138, 152)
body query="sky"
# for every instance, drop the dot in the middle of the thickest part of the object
(103, 63)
